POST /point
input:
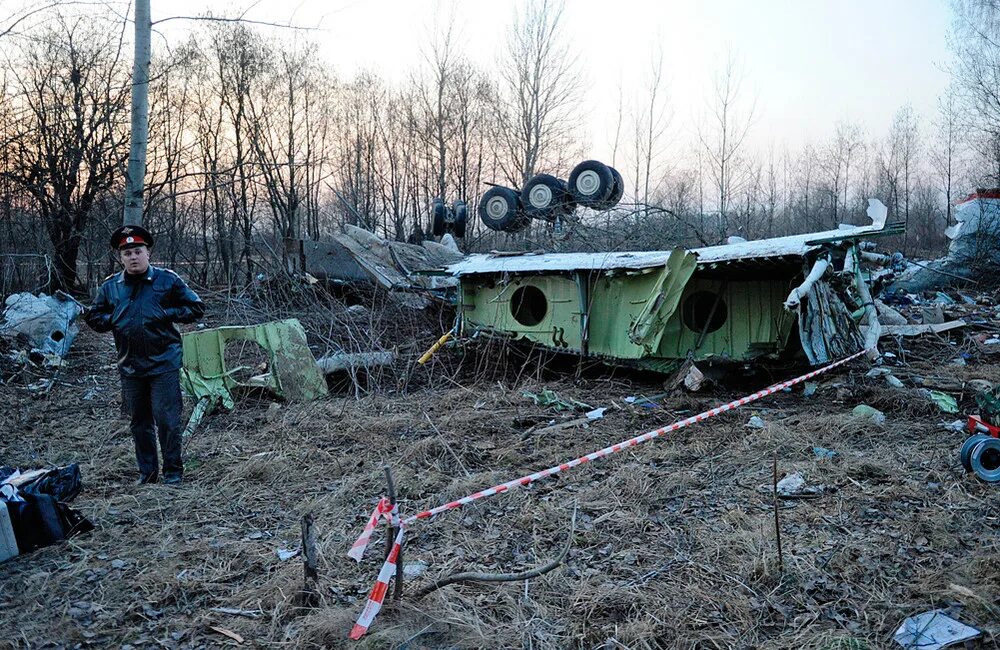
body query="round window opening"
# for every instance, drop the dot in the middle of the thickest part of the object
(528, 305)
(704, 311)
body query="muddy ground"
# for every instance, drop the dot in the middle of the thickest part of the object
(674, 541)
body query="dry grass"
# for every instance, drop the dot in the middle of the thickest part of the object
(674, 543)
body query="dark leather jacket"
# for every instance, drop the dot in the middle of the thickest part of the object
(143, 315)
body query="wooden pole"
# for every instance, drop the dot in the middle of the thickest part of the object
(397, 592)
(310, 575)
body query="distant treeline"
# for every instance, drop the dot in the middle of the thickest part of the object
(254, 139)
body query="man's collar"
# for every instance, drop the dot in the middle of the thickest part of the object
(150, 272)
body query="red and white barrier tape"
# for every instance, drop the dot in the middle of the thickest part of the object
(383, 510)
(377, 595)
(378, 591)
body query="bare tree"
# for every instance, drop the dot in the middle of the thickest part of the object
(651, 120)
(903, 143)
(540, 86)
(70, 97)
(976, 43)
(945, 156)
(723, 137)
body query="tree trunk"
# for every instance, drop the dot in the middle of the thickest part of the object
(67, 250)
(135, 179)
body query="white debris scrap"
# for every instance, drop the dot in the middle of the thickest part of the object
(49, 323)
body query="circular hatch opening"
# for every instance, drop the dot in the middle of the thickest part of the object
(701, 313)
(528, 305)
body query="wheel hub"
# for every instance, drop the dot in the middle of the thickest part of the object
(496, 207)
(588, 182)
(540, 196)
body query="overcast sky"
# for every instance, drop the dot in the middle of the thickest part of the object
(807, 63)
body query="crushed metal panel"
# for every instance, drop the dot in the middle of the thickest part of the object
(826, 329)
(331, 261)
(48, 322)
(292, 374)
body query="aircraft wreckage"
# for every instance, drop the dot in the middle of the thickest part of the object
(739, 302)
(736, 302)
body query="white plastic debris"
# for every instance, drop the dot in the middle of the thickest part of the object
(414, 569)
(791, 484)
(286, 554)
(755, 422)
(933, 630)
(694, 379)
(597, 413)
(893, 381)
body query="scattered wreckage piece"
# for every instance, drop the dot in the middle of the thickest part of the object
(358, 257)
(291, 372)
(920, 330)
(656, 309)
(353, 360)
(973, 246)
(933, 630)
(48, 322)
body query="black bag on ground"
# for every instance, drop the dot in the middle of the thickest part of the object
(62, 483)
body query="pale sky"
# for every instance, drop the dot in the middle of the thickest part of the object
(807, 63)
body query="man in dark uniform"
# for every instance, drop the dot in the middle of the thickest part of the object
(142, 305)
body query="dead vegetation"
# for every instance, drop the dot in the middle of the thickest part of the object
(673, 544)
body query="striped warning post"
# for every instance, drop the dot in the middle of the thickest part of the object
(377, 595)
(374, 604)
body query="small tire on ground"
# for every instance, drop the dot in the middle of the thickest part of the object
(461, 212)
(591, 183)
(438, 214)
(966, 451)
(500, 209)
(546, 197)
(985, 460)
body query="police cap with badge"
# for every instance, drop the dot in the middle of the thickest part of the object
(129, 236)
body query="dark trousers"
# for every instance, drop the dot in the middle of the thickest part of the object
(155, 400)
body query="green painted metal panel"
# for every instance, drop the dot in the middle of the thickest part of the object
(756, 321)
(628, 309)
(635, 315)
(292, 368)
(491, 304)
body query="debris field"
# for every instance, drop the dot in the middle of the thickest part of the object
(671, 543)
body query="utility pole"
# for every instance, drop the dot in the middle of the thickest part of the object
(136, 175)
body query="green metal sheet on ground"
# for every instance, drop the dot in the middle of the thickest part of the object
(292, 372)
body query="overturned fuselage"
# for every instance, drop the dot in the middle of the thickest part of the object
(654, 309)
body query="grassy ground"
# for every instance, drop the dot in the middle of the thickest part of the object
(674, 543)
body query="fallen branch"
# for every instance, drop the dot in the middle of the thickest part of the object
(473, 576)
